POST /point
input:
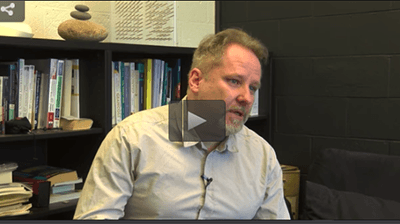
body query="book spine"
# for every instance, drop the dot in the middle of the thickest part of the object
(11, 102)
(60, 74)
(148, 84)
(43, 102)
(75, 104)
(141, 86)
(127, 89)
(33, 98)
(2, 117)
(52, 93)
(254, 108)
(133, 80)
(122, 80)
(25, 92)
(164, 85)
(37, 98)
(161, 86)
(66, 95)
(30, 73)
(19, 102)
(117, 82)
(154, 83)
(113, 104)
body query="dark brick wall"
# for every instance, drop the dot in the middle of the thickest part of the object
(336, 73)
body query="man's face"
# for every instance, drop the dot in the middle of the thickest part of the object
(235, 82)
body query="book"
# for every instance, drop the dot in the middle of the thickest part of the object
(64, 196)
(148, 84)
(135, 100)
(176, 79)
(164, 85)
(14, 210)
(48, 173)
(140, 68)
(127, 89)
(43, 102)
(6, 169)
(75, 104)
(29, 91)
(20, 97)
(113, 117)
(60, 75)
(13, 194)
(67, 91)
(117, 88)
(254, 108)
(37, 99)
(13, 90)
(71, 123)
(40, 189)
(122, 83)
(65, 186)
(48, 66)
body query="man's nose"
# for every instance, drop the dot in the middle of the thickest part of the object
(245, 96)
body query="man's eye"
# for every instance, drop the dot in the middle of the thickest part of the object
(234, 81)
(252, 88)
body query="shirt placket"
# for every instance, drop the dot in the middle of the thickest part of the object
(206, 209)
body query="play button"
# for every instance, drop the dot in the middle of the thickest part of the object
(197, 120)
(194, 121)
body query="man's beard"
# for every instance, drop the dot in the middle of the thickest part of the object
(235, 126)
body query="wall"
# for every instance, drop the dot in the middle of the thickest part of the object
(337, 73)
(195, 19)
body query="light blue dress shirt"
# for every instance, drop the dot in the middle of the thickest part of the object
(138, 173)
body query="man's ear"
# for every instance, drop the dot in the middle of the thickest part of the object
(195, 76)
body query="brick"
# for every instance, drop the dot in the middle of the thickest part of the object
(292, 75)
(297, 37)
(319, 116)
(233, 11)
(267, 32)
(374, 118)
(394, 148)
(332, 36)
(347, 7)
(356, 145)
(375, 33)
(293, 150)
(349, 76)
(266, 10)
(394, 83)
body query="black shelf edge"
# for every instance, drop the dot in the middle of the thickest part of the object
(91, 45)
(56, 208)
(258, 117)
(41, 134)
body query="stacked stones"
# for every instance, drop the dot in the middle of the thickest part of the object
(80, 28)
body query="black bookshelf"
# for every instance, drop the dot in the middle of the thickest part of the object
(76, 149)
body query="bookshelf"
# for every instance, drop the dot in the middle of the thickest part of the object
(76, 149)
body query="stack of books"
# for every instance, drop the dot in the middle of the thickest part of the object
(62, 181)
(14, 197)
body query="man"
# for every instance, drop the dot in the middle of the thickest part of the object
(138, 173)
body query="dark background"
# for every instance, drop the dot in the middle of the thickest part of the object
(336, 72)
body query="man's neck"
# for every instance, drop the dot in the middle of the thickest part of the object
(211, 146)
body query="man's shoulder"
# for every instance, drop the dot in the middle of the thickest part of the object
(252, 140)
(150, 116)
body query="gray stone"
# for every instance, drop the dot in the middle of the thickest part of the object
(82, 8)
(82, 30)
(80, 15)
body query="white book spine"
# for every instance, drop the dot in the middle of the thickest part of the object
(33, 93)
(134, 99)
(21, 65)
(254, 108)
(75, 105)
(66, 95)
(118, 103)
(27, 82)
(52, 93)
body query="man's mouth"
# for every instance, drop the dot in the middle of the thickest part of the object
(237, 112)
